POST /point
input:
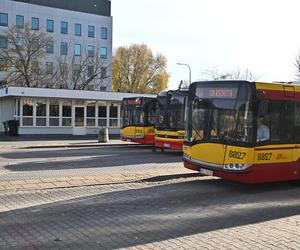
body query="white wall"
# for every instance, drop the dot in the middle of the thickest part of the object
(6, 110)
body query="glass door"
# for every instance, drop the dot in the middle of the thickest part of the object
(79, 116)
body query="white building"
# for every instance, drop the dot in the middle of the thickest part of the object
(79, 29)
(60, 111)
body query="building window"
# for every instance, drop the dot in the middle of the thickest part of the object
(49, 68)
(77, 29)
(3, 42)
(3, 64)
(91, 31)
(103, 73)
(3, 19)
(20, 21)
(67, 113)
(91, 51)
(102, 116)
(49, 47)
(34, 67)
(49, 25)
(103, 52)
(103, 33)
(77, 50)
(91, 71)
(35, 23)
(41, 113)
(76, 70)
(64, 48)
(54, 113)
(64, 28)
(27, 119)
(90, 115)
(113, 116)
(19, 41)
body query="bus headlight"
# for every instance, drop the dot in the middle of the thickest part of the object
(236, 166)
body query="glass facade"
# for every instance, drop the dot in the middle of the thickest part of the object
(52, 112)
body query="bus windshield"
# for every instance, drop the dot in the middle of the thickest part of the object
(170, 110)
(133, 115)
(220, 113)
(138, 112)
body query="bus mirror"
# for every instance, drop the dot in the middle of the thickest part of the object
(263, 107)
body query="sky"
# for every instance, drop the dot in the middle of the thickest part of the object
(262, 36)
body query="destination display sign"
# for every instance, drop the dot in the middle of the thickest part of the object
(133, 102)
(216, 92)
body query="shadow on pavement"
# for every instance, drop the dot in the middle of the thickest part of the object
(138, 216)
(88, 158)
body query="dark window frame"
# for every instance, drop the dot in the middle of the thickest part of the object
(64, 29)
(20, 25)
(5, 23)
(91, 33)
(51, 27)
(35, 26)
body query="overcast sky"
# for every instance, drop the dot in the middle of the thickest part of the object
(260, 35)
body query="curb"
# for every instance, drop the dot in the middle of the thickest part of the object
(84, 146)
(169, 177)
(86, 183)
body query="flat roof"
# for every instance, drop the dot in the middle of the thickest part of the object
(67, 94)
(97, 7)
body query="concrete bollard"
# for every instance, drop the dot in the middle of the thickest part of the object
(103, 135)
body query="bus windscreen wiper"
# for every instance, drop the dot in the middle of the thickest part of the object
(197, 133)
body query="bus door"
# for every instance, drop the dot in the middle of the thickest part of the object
(138, 120)
(209, 147)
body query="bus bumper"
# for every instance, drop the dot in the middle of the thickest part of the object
(262, 173)
(146, 140)
(174, 145)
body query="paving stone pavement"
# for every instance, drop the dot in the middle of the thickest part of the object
(195, 213)
(69, 167)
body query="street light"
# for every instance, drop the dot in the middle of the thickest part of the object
(190, 72)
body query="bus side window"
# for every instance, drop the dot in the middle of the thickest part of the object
(279, 119)
(297, 122)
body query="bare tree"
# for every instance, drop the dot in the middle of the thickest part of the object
(82, 73)
(25, 50)
(297, 66)
(237, 74)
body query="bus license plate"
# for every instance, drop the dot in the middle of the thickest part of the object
(167, 145)
(206, 171)
(128, 140)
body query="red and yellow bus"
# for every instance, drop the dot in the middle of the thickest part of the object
(169, 128)
(138, 118)
(243, 131)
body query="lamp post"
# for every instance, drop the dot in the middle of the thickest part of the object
(190, 72)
